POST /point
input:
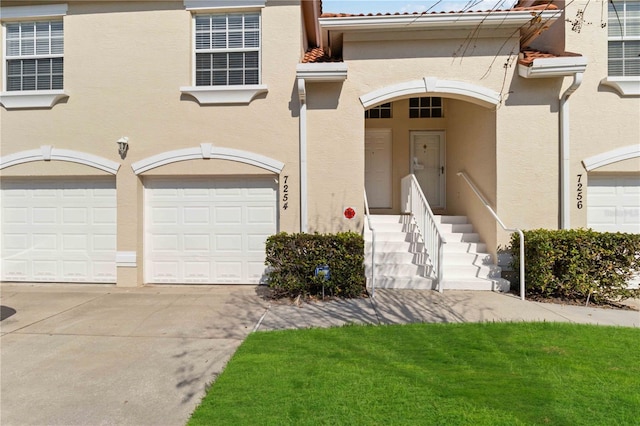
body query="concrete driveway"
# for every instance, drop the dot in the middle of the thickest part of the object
(100, 355)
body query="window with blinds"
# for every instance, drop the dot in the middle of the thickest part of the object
(227, 49)
(34, 55)
(624, 38)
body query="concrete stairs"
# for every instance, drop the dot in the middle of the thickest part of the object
(401, 263)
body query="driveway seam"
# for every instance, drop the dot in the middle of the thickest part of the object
(55, 315)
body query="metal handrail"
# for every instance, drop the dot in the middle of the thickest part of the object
(495, 215)
(428, 229)
(373, 244)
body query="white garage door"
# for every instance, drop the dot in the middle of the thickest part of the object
(613, 203)
(209, 230)
(59, 230)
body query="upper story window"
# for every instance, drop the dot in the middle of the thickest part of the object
(624, 38)
(34, 55)
(425, 108)
(227, 49)
(380, 111)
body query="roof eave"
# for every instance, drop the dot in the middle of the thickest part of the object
(553, 67)
(322, 72)
(502, 19)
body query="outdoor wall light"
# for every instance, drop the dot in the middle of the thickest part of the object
(123, 146)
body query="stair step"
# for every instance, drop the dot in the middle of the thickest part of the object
(498, 284)
(395, 257)
(394, 246)
(471, 237)
(394, 236)
(451, 228)
(464, 247)
(390, 227)
(451, 219)
(396, 269)
(399, 282)
(389, 218)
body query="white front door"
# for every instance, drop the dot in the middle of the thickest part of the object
(208, 230)
(427, 164)
(377, 168)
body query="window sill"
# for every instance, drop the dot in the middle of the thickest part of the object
(626, 86)
(220, 95)
(32, 99)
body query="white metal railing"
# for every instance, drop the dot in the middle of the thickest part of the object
(373, 244)
(416, 204)
(493, 213)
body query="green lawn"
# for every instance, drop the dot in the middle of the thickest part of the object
(440, 374)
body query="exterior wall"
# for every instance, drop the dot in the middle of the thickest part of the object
(617, 124)
(335, 123)
(471, 148)
(528, 156)
(124, 64)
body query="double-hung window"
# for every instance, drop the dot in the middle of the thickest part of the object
(227, 56)
(624, 38)
(227, 49)
(34, 55)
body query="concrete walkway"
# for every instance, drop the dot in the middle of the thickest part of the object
(101, 355)
(408, 306)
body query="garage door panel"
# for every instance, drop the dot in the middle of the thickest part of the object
(228, 243)
(224, 220)
(69, 227)
(197, 243)
(228, 215)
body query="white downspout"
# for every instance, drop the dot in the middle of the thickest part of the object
(565, 155)
(302, 95)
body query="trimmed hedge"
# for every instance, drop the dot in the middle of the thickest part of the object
(293, 259)
(578, 264)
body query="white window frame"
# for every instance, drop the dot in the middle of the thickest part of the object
(230, 94)
(625, 85)
(21, 99)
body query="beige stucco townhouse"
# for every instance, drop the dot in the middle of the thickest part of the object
(163, 141)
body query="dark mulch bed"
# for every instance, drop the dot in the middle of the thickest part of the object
(580, 302)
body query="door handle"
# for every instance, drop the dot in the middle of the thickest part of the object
(442, 169)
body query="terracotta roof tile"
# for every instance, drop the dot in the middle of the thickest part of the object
(528, 56)
(316, 55)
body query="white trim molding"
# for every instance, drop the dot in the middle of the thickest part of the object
(198, 5)
(22, 99)
(32, 12)
(49, 153)
(207, 151)
(626, 86)
(126, 259)
(433, 86)
(221, 95)
(613, 156)
(467, 20)
(322, 72)
(561, 66)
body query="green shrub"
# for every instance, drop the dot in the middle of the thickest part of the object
(578, 263)
(293, 259)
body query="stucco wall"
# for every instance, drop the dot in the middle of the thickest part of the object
(124, 64)
(601, 118)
